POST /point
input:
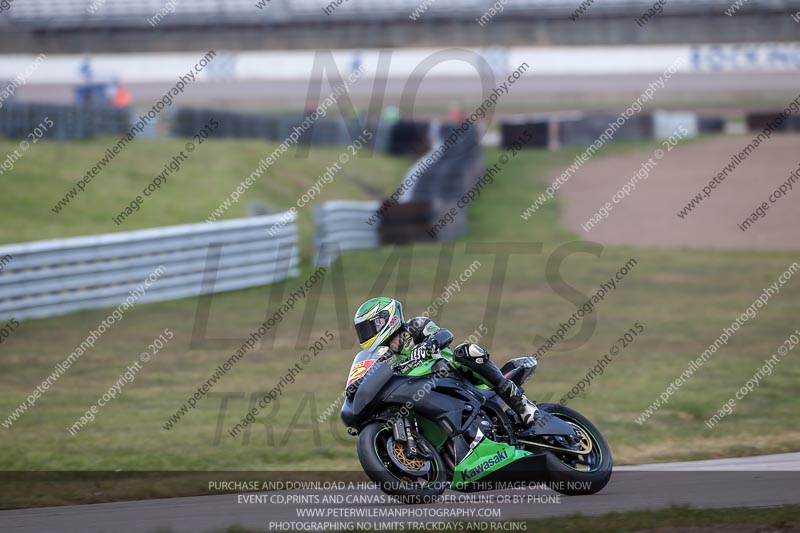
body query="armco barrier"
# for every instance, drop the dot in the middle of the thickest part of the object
(560, 130)
(18, 120)
(538, 130)
(47, 278)
(322, 132)
(707, 124)
(758, 121)
(341, 225)
(587, 129)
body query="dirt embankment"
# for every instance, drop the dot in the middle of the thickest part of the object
(649, 215)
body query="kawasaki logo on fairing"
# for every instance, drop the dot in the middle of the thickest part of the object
(496, 459)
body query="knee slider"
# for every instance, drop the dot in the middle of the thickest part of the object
(460, 351)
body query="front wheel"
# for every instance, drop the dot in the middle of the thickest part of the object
(417, 479)
(574, 473)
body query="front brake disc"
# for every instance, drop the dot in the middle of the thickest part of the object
(415, 466)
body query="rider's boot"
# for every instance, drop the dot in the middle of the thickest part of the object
(477, 359)
(522, 406)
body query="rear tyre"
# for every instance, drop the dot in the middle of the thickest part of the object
(576, 475)
(412, 480)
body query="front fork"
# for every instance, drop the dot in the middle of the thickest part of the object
(403, 430)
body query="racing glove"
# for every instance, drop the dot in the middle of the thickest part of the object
(422, 351)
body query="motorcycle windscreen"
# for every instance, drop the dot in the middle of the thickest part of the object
(363, 361)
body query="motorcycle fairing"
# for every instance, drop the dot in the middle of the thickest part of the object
(487, 457)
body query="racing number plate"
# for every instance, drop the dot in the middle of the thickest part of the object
(359, 369)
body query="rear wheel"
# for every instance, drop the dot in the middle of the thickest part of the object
(584, 467)
(414, 479)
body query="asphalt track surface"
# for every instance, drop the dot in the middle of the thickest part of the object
(762, 481)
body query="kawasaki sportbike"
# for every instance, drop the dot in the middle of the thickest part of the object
(424, 428)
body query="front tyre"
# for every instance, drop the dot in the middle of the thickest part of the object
(573, 474)
(412, 479)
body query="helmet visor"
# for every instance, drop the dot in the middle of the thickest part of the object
(368, 329)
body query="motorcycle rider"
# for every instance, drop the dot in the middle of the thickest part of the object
(379, 322)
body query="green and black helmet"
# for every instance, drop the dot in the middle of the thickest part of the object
(377, 320)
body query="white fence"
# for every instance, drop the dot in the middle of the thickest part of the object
(47, 278)
(342, 225)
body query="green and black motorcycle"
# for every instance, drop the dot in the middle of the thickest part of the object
(425, 428)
